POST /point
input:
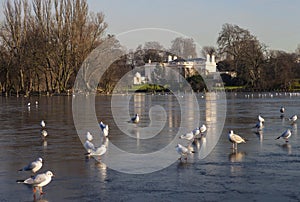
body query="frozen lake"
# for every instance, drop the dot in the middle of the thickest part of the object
(263, 169)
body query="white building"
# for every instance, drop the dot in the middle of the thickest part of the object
(186, 68)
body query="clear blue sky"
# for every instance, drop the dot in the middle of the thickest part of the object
(274, 22)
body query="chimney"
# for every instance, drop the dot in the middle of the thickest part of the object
(207, 58)
(213, 59)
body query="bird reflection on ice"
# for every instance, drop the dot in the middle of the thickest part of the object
(294, 129)
(286, 147)
(102, 168)
(236, 156)
(260, 135)
(44, 143)
(200, 144)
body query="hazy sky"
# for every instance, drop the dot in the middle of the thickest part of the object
(274, 22)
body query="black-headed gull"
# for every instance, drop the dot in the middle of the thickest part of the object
(196, 131)
(282, 109)
(103, 126)
(88, 145)
(235, 139)
(89, 136)
(259, 126)
(285, 135)
(183, 151)
(188, 136)
(135, 119)
(201, 130)
(34, 166)
(261, 119)
(293, 118)
(43, 124)
(38, 181)
(98, 152)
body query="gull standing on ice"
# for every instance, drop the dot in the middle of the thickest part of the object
(282, 109)
(88, 145)
(203, 129)
(183, 151)
(285, 135)
(98, 151)
(293, 118)
(188, 136)
(196, 131)
(135, 119)
(103, 126)
(43, 124)
(259, 126)
(261, 119)
(33, 166)
(38, 181)
(199, 131)
(235, 139)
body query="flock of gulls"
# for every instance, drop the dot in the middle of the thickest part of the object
(235, 139)
(94, 151)
(40, 180)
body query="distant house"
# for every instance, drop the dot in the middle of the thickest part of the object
(186, 68)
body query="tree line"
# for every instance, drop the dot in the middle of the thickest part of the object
(256, 67)
(43, 43)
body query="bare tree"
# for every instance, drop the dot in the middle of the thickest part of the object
(47, 45)
(246, 52)
(211, 50)
(184, 47)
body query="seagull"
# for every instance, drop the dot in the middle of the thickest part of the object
(135, 119)
(293, 118)
(33, 166)
(44, 133)
(235, 139)
(89, 136)
(103, 126)
(282, 109)
(43, 124)
(199, 130)
(88, 145)
(38, 181)
(285, 135)
(259, 125)
(261, 119)
(196, 131)
(187, 136)
(98, 151)
(202, 129)
(183, 151)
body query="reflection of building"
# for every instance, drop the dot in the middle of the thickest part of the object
(211, 114)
